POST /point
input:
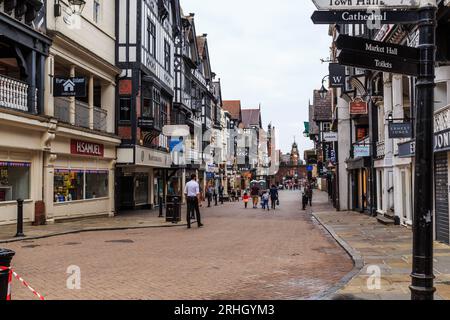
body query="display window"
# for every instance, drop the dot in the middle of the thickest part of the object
(14, 181)
(73, 185)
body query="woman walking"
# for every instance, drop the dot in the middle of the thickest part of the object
(274, 196)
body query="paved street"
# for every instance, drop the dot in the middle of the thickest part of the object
(240, 254)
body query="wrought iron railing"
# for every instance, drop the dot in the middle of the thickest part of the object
(100, 119)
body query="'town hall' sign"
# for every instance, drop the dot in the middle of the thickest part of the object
(364, 4)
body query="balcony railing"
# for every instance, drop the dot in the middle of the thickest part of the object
(14, 94)
(100, 118)
(380, 150)
(62, 109)
(81, 114)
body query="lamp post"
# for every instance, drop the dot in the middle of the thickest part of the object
(422, 287)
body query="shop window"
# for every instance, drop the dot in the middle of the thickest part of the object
(96, 184)
(73, 185)
(14, 181)
(68, 185)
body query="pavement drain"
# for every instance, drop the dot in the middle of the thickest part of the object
(31, 246)
(72, 243)
(120, 241)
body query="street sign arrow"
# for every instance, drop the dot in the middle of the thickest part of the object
(361, 16)
(364, 4)
(378, 62)
(366, 46)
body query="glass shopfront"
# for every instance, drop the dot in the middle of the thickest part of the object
(14, 181)
(73, 185)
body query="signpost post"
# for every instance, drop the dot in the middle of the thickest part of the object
(422, 286)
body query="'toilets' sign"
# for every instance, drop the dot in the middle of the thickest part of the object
(364, 4)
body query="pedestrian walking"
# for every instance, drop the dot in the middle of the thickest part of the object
(209, 195)
(246, 199)
(265, 200)
(309, 193)
(221, 191)
(274, 196)
(215, 196)
(193, 196)
(254, 192)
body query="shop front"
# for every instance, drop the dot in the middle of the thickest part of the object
(442, 174)
(143, 178)
(79, 177)
(358, 170)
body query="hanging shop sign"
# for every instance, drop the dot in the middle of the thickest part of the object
(337, 76)
(361, 151)
(407, 149)
(85, 148)
(358, 107)
(69, 87)
(400, 130)
(146, 123)
(330, 136)
(364, 4)
(365, 16)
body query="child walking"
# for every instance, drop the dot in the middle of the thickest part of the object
(246, 199)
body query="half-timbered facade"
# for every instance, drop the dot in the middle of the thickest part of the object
(145, 53)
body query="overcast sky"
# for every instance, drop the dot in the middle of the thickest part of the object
(266, 52)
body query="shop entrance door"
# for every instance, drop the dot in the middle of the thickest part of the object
(125, 194)
(442, 198)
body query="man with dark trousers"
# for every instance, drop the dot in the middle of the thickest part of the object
(221, 191)
(193, 197)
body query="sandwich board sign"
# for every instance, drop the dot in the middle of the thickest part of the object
(365, 4)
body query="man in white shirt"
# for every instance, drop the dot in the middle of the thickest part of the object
(192, 192)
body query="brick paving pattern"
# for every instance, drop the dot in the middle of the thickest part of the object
(240, 254)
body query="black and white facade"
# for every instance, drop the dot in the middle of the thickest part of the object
(145, 32)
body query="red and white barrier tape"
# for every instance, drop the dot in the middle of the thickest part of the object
(11, 273)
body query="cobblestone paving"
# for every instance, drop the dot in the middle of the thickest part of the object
(240, 254)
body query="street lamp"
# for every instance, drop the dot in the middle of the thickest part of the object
(323, 92)
(77, 6)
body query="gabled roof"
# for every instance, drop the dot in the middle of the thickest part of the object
(251, 118)
(234, 108)
(203, 52)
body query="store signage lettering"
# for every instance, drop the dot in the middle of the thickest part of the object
(400, 130)
(337, 75)
(441, 120)
(360, 16)
(86, 148)
(69, 87)
(442, 141)
(330, 136)
(361, 151)
(364, 4)
(358, 106)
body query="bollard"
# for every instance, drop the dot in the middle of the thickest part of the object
(160, 200)
(5, 261)
(19, 219)
(176, 211)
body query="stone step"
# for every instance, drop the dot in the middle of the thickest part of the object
(385, 220)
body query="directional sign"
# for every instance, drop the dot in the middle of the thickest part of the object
(365, 46)
(364, 4)
(378, 62)
(362, 17)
